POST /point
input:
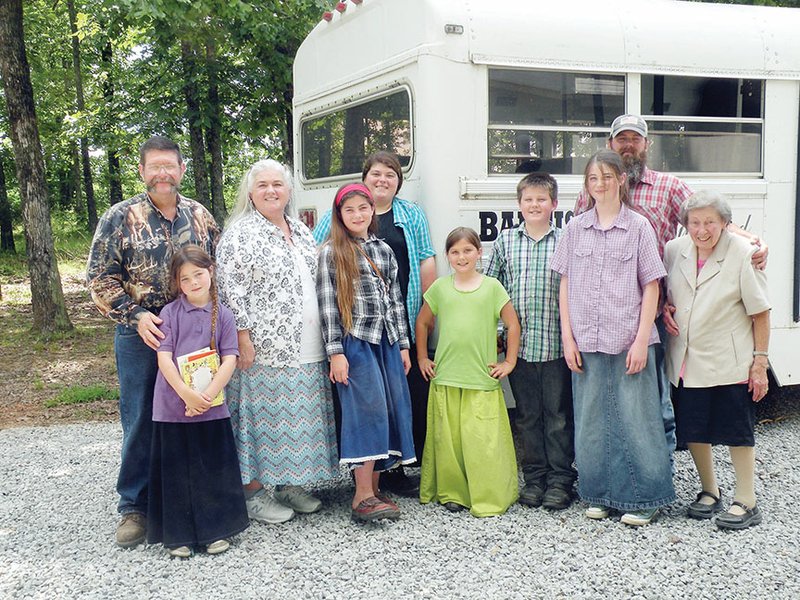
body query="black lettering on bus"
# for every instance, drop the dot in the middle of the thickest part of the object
(488, 226)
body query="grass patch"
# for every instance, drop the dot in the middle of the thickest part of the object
(71, 240)
(81, 394)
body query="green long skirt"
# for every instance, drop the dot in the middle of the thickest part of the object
(469, 452)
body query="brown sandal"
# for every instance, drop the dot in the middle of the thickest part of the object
(373, 509)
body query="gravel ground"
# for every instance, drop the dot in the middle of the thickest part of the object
(57, 519)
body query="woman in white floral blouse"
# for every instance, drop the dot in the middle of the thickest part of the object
(279, 397)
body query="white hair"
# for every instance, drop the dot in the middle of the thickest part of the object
(244, 205)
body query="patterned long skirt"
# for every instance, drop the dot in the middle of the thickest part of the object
(283, 424)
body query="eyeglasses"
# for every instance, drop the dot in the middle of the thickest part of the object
(156, 169)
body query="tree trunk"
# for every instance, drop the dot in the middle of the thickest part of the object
(6, 223)
(114, 174)
(194, 117)
(214, 135)
(91, 206)
(75, 180)
(47, 297)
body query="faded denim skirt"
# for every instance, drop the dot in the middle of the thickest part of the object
(620, 449)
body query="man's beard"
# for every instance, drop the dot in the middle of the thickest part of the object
(634, 166)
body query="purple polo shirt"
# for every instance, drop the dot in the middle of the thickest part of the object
(186, 329)
(606, 271)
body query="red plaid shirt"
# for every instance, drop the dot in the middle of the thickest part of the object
(658, 197)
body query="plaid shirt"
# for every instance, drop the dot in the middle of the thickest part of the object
(658, 196)
(377, 304)
(523, 267)
(128, 267)
(606, 271)
(410, 218)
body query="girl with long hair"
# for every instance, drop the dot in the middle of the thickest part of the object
(365, 333)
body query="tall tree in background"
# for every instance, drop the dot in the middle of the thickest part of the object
(112, 156)
(47, 297)
(80, 103)
(194, 118)
(6, 225)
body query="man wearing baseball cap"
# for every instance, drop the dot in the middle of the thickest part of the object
(657, 196)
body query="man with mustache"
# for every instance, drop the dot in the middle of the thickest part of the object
(658, 197)
(127, 275)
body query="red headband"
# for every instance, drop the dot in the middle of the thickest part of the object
(352, 187)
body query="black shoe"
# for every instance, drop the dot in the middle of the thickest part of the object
(397, 482)
(453, 506)
(556, 498)
(699, 510)
(728, 520)
(531, 495)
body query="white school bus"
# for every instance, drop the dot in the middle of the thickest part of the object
(469, 93)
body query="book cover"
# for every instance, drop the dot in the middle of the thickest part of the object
(198, 370)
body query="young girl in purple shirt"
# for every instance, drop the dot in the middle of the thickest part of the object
(195, 494)
(610, 267)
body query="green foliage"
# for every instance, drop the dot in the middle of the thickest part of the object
(140, 91)
(82, 395)
(72, 243)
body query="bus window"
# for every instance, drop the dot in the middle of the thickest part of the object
(338, 142)
(549, 120)
(704, 124)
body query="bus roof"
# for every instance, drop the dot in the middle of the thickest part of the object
(648, 36)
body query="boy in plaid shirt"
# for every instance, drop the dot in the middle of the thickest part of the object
(541, 382)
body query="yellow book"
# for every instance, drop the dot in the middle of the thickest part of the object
(198, 370)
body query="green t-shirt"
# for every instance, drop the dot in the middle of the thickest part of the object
(467, 332)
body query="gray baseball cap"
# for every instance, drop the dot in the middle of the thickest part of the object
(629, 123)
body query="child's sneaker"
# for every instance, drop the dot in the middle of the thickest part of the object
(218, 547)
(531, 495)
(637, 518)
(596, 511)
(181, 551)
(266, 509)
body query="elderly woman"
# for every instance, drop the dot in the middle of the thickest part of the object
(403, 226)
(717, 358)
(279, 396)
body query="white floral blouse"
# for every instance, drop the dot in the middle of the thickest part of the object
(260, 282)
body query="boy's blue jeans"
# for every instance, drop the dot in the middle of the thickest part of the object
(137, 367)
(544, 421)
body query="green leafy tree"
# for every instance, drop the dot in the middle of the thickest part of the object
(47, 297)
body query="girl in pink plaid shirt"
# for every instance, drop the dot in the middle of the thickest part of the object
(610, 267)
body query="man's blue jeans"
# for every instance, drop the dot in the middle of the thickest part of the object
(137, 366)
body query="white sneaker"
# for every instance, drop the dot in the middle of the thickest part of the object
(638, 518)
(596, 511)
(181, 551)
(218, 547)
(297, 498)
(266, 509)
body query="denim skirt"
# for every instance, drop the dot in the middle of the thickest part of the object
(376, 406)
(620, 449)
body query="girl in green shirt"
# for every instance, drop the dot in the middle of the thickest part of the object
(469, 459)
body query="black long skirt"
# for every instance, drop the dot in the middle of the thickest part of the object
(195, 494)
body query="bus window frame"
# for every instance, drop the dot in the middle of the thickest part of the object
(626, 88)
(352, 100)
(654, 136)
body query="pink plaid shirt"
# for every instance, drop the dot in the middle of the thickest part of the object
(658, 196)
(606, 271)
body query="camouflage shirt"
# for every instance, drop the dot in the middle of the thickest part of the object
(128, 267)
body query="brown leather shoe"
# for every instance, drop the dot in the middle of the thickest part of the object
(131, 530)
